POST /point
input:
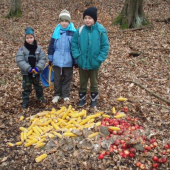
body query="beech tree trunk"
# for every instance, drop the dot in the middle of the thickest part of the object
(132, 15)
(15, 10)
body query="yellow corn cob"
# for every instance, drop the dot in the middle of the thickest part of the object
(119, 116)
(67, 112)
(78, 114)
(49, 129)
(85, 113)
(39, 145)
(11, 144)
(113, 110)
(39, 129)
(18, 143)
(78, 119)
(114, 128)
(25, 135)
(41, 157)
(22, 136)
(41, 140)
(104, 115)
(29, 132)
(28, 140)
(88, 125)
(23, 129)
(91, 120)
(30, 143)
(93, 135)
(69, 126)
(57, 134)
(75, 123)
(32, 125)
(21, 118)
(42, 113)
(60, 111)
(98, 123)
(44, 136)
(69, 134)
(32, 137)
(122, 99)
(84, 121)
(54, 125)
(51, 135)
(35, 130)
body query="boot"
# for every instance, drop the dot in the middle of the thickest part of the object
(94, 97)
(82, 99)
(25, 104)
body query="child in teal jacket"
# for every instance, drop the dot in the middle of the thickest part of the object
(90, 46)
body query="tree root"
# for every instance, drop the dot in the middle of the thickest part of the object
(152, 93)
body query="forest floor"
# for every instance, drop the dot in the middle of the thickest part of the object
(144, 80)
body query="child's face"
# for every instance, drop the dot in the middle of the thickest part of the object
(89, 21)
(29, 39)
(64, 23)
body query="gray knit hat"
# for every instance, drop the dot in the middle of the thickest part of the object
(64, 15)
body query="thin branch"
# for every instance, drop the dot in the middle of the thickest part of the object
(159, 105)
(151, 92)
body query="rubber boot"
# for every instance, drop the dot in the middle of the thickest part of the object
(82, 99)
(94, 97)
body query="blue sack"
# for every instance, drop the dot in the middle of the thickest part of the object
(47, 77)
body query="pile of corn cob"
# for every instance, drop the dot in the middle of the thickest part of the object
(60, 123)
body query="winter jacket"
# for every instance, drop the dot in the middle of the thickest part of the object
(59, 51)
(90, 47)
(23, 63)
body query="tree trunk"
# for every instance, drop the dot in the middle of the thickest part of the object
(15, 10)
(132, 15)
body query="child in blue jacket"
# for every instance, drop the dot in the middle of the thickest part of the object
(59, 54)
(90, 46)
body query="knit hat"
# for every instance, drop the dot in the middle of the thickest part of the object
(92, 12)
(29, 30)
(64, 15)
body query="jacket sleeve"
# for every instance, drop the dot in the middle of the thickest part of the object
(20, 59)
(104, 47)
(75, 45)
(51, 49)
(42, 60)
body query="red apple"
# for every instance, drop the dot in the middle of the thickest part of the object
(155, 158)
(155, 165)
(142, 166)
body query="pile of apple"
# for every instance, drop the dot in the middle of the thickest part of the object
(130, 131)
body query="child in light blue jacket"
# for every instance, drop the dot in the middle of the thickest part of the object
(59, 55)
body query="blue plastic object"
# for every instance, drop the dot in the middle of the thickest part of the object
(44, 76)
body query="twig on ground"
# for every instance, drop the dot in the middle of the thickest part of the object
(151, 92)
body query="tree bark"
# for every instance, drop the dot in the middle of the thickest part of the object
(132, 15)
(15, 10)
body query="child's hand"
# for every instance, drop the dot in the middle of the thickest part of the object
(50, 63)
(30, 71)
(35, 70)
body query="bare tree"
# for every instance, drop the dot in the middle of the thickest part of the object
(132, 15)
(15, 10)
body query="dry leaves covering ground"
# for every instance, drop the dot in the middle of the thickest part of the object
(120, 75)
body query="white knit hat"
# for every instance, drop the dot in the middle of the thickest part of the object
(64, 15)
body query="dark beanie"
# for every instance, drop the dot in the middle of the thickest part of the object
(92, 12)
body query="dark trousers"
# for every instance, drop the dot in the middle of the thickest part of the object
(84, 76)
(27, 83)
(62, 80)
